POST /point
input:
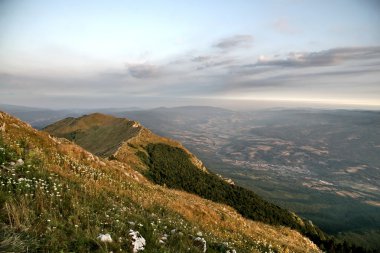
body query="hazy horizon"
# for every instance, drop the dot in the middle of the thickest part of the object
(241, 54)
(224, 104)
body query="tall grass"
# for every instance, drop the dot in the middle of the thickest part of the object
(62, 197)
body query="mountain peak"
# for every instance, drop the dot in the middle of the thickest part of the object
(98, 119)
(108, 136)
(99, 133)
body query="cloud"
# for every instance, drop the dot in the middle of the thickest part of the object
(215, 73)
(144, 71)
(334, 71)
(212, 64)
(201, 58)
(315, 84)
(322, 58)
(203, 62)
(211, 61)
(299, 60)
(236, 41)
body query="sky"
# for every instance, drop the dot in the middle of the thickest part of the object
(90, 53)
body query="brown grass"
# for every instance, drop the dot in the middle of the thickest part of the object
(219, 220)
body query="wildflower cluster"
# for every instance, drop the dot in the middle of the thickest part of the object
(79, 168)
(116, 223)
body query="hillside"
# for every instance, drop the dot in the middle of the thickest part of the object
(321, 164)
(98, 133)
(58, 197)
(168, 163)
(165, 162)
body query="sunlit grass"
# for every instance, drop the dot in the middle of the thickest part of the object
(62, 198)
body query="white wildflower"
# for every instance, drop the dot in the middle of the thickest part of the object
(138, 242)
(105, 238)
(201, 243)
(20, 162)
(164, 237)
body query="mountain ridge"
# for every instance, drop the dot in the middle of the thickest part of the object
(154, 156)
(120, 144)
(80, 179)
(91, 187)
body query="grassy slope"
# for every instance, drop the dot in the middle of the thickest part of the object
(106, 135)
(246, 202)
(99, 133)
(63, 197)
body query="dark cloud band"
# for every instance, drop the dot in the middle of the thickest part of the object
(236, 41)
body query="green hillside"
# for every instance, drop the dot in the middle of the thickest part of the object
(99, 133)
(57, 197)
(169, 164)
